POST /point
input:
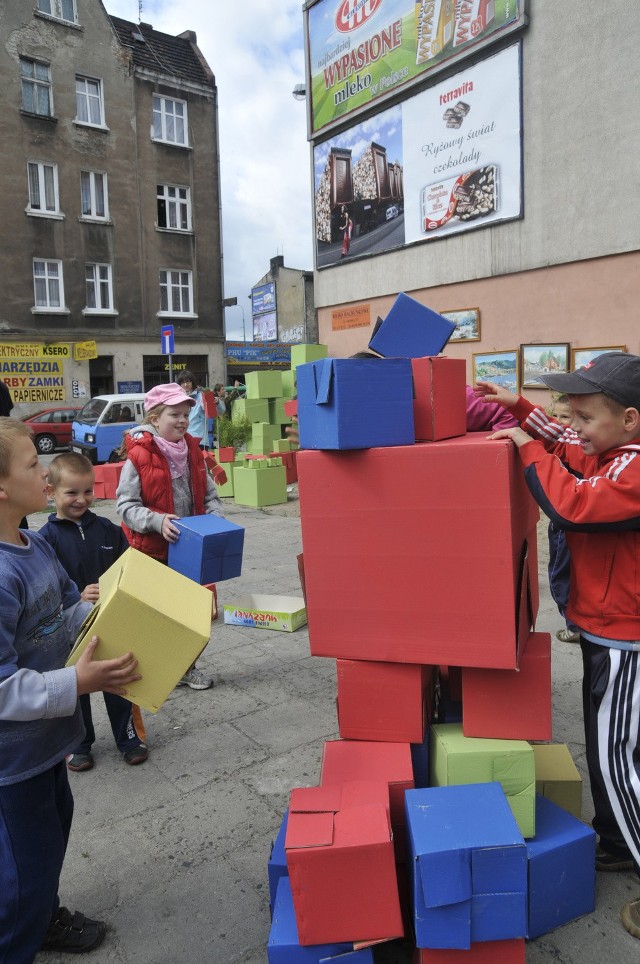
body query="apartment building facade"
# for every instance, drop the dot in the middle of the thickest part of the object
(110, 168)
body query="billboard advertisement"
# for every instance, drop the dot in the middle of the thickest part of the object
(364, 51)
(446, 160)
(265, 327)
(263, 298)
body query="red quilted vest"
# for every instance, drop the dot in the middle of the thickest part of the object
(156, 488)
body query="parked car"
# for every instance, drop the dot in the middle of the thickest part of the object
(392, 212)
(51, 428)
(99, 426)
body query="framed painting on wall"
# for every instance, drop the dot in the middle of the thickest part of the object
(467, 322)
(581, 356)
(537, 360)
(500, 367)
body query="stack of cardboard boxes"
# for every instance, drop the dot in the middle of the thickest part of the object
(421, 570)
(260, 476)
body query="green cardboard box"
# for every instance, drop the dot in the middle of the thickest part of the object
(557, 777)
(286, 613)
(289, 383)
(226, 490)
(255, 409)
(457, 759)
(282, 445)
(277, 414)
(265, 433)
(301, 354)
(263, 384)
(257, 484)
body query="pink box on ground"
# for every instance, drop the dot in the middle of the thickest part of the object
(440, 405)
(387, 702)
(511, 704)
(340, 859)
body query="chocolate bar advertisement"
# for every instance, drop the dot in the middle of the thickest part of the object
(462, 150)
(443, 161)
(361, 51)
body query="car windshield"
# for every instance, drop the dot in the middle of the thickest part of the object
(91, 411)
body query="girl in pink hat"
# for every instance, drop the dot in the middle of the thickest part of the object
(164, 478)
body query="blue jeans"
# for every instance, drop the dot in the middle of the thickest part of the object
(35, 820)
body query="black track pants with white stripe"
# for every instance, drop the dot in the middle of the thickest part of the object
(611, 704)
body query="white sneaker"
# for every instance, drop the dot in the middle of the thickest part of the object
(196, 680)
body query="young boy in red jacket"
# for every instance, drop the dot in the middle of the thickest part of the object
(600, 512)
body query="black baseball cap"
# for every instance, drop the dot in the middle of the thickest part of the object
(615, 373)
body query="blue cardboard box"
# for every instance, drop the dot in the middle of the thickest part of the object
(277, 866)
(468, 866)
(284, 946)
(209, 549)
(562, 874)
(411, 330)
(355, 403)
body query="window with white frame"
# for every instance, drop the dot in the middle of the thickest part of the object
(174, 207)
(35, 78)
(176, 292)
(99, 287)
(43, 188)
(170, 120)
(94, 199)
(48, 284)
(89, 105)
(60, 9)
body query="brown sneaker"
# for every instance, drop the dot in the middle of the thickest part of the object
(630, 917)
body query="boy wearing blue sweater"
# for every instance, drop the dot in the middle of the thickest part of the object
(40, 719)
(87, 545)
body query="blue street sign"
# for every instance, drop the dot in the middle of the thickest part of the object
(166, 340)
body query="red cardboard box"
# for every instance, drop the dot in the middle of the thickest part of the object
(408, 547)
(98, 490)
(387, 702)
(109, 472)
(341, 864)
(440, 403)
(484, 952)
(290, 465)
(345, 760)
(511, 704)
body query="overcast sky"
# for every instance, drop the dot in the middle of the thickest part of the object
(255, 51)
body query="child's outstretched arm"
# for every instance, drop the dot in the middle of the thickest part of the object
(496, 393)
(106, 675)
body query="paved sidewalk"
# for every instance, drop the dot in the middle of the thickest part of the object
(173, 853)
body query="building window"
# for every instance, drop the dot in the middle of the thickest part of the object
(99, 288)
(174, 207)
(47, 284)
(176, 293)
(169, 120)
(89, 106)
(36, 87)
(94, 199)
(43, 188)
(60, 9)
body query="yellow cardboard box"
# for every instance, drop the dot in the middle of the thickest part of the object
(159, 615)
(557, 776)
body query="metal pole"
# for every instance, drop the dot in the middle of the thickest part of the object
(170, 368)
